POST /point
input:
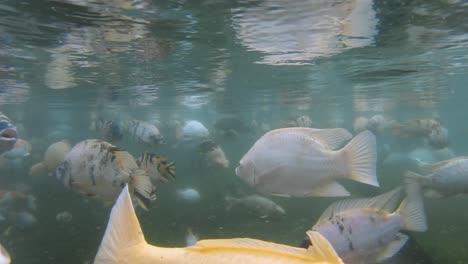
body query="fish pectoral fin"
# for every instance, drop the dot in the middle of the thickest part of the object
(391, 249)
(332, 189)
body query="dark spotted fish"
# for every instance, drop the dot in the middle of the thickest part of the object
(368, 230)
(111, 130)
(158, 167)
(8, 133)
(415, 128)
(144, 132)
(99, 169)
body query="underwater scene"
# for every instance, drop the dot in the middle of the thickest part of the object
(243, 131)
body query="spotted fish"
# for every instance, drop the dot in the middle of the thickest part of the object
(99, 169)
(144, 132)
(368, 230)
(158, 167)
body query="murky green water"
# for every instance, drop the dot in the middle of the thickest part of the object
(62, 63)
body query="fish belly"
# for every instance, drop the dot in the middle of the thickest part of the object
(296, 174)
(359, 237)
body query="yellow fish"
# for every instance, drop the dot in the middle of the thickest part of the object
(124, 242)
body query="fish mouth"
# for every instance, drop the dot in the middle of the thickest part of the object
(8, 135)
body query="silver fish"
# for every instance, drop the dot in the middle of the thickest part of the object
(445, 178)
(304, 162)
(368, 230)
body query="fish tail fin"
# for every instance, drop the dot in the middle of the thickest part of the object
(123, 230)
(415, 178)
(321, 249)
(142, 188)
(412, 208)
(361, 158)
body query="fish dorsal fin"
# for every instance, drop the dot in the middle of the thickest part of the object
(387, 202)
(321, 249)
(123, 230)
(393, 247)
(332, 138)
(446, 162)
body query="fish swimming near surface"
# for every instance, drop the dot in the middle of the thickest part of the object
(368, 230)
(159, 168)
(304, 162)
(99, 169)
(443, 179)
(8, 133)
(4, 256)
(124, 242)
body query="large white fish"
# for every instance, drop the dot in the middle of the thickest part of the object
(303, 162)
(99, 169)
(368, 230)
(124, 242)
(445, 178)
